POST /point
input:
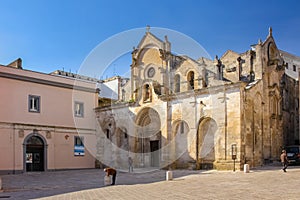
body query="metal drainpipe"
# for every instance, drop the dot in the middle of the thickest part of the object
(14, 146)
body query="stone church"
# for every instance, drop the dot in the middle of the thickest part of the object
(177, 112)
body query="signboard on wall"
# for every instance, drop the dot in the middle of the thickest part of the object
(78, 150)
(78, 146)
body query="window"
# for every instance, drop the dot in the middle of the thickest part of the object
(294, 68)
(78, 109)
(191, 80)
(107, 134)
(147, 93)
(151, 72)
(182, 127)
(34, 103)
(78, 146)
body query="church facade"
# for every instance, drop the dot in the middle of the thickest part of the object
(177, 112)
(173, 112)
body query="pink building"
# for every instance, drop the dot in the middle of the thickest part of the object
(47, 121)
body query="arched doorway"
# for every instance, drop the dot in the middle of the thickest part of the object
(180, 130)
(34, 153)
(207, 130)
(148, 141)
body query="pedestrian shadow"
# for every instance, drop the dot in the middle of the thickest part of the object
(274, 166)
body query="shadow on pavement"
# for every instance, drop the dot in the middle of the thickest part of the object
(44, 184)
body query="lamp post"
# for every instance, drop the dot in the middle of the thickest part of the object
(233, 154)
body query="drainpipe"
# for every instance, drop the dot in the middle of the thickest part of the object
(14, 146)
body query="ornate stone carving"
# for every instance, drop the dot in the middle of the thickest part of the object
(133, 54)
(21, 133)
(48, 135)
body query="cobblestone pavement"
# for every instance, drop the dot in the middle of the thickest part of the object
(262, 183)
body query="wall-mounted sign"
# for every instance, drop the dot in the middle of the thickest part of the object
(78, 146)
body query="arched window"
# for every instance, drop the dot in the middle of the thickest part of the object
(35, 140)
(146, 93)
(107, 134)
(272, 54)
(177, 83)
(181, 127)
(191, 78)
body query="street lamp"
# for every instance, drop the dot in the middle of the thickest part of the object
(233, 154)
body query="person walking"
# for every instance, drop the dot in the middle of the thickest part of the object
(130, 163)
(113, 172)
(284, 160)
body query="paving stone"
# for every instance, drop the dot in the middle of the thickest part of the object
(261, 183)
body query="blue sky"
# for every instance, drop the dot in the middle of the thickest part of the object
(50, 35)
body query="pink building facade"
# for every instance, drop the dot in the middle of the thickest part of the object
(47, 121)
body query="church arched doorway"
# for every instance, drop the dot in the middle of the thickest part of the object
(34, 153)
(149, 137)
(207, 130)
